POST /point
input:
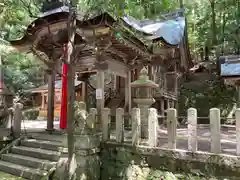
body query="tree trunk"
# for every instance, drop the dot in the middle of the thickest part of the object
(181, 3)
(70, 84)
(201, 54)
(223, 31)
(206, 53)
(214, 35)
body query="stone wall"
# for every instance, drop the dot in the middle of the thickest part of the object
(128, 163)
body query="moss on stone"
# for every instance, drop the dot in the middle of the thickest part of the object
(5, 176)
(124, 163)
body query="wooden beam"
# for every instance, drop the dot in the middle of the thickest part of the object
(141, 51)
(51, 97)
(112, 49)
(85, 33)
(136, 66)
(117, 67)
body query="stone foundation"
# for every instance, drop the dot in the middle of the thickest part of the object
(87, 156)
(129, 163)
(88, 166)
(86, 161)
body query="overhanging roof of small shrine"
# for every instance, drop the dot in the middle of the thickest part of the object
(125, 38)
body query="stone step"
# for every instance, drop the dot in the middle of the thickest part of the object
(36, 153)
(58, 137)
(28, 161)
(42, 144)
(22, 171)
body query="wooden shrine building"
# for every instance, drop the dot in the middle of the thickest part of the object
(122, 46)
(39, 97)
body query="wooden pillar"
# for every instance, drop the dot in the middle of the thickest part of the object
(100, 95)
(150, 72)
(83, 94)
(238, 90)
(165, 82)
(43, 100)
(168, 104)
(50, 106)
(162, 106)
(114, 82)
(128, 98)
(176, 88)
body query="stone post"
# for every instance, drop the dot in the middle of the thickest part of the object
(237, 114)
(136, 126)
(87, 143)
(87, 146)
(215, 123)
(152, 125)
(6, 99)
(172, 128)
(105, 124)
(17, 120)
(120, 125)
(144, 98)
(192, 129)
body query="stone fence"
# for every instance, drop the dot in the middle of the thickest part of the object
(139, 128)
(141, 154)
(102, 152)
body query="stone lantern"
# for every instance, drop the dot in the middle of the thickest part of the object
(144, 90)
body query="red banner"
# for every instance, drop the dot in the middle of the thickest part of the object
(63, 117)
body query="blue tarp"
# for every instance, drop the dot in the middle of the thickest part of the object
(171, 31)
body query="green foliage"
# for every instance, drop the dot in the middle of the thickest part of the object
(139, 9)
(205, 96)
(31, 114)
(200, 27)
(15, 16)
(22, 72)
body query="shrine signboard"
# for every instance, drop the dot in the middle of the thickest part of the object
(230, 68)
